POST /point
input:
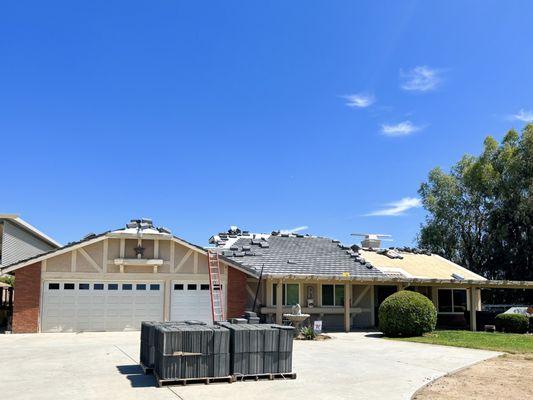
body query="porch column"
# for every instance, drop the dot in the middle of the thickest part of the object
(347, 304)
(473, 307)
(279, 302)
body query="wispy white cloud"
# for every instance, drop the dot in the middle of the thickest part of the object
(400, 129)
(523, 115)
(396, 208)
(420, 79)
(359, 100)
(294, 230)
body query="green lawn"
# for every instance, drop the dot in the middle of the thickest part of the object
(507, 342)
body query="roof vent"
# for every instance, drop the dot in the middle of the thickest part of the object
(372, 240)
(458, 277)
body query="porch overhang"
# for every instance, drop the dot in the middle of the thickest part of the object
(483, 284)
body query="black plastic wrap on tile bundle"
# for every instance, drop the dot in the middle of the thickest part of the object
(260, 348)
(191, 350)
(147, 355)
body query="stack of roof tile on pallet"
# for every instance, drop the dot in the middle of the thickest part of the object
(260, 349)
(189, 350)
(147, 356)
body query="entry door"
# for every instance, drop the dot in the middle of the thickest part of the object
(99, 306)
(190, 301)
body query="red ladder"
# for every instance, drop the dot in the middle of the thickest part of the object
(215, 285)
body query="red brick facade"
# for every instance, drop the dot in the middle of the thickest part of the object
(27, 299)
(236, 293)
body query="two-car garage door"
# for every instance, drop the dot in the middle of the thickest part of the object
(119, 306)
(98, 306)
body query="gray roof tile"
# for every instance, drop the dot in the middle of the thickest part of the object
(300, 255)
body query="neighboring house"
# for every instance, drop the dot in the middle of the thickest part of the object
(20, 240)
(115, 280)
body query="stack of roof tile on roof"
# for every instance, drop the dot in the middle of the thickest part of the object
(291, 254)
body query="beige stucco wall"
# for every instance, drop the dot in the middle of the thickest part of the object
(186, 261)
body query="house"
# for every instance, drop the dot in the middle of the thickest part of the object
(114, 280)
(20, 240)
(343, 285)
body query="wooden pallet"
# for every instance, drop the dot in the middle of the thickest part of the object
(146, 370)
(256, 377)
(184, 381)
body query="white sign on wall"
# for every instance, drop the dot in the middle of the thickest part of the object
(317, 326)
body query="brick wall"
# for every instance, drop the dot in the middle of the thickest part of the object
(236, 293)
(27, 299)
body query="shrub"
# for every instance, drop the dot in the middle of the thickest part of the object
(512, 323)
(407, 313)
(530, 324)
(9, 279)
(308, 333)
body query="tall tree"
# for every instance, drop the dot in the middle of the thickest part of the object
(480, 214)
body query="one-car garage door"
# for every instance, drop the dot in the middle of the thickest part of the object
(100, 306)
(190, 301)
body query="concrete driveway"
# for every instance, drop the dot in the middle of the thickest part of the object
(104, 366)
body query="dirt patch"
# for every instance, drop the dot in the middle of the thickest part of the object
(508, 376)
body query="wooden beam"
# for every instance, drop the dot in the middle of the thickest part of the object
(105, 252)
(347, 300)
(183, 260)
(93, 263)
(172, 248)
(73, 256)
(195, 262)
(279, 302)
(473, 302)
(372, 306)
(122, 248)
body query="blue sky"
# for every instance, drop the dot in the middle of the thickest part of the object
(266, 115)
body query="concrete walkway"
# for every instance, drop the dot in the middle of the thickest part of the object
(104, 366)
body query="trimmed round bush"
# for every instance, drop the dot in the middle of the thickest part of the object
(512, 323)
(407, 313)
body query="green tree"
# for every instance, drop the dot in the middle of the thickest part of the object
(480, 214)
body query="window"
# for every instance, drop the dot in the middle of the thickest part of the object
(98, 286)
(204, 287)
(459, 300)
(191, 286)
(332, 295)
(154, 286)
(53, 286)
(83, 286)
(328, 296)
(178, 286)
(68, 286)
(127, 286)
(140, 286)
(112, 286)
(452, 300)
(290, 295)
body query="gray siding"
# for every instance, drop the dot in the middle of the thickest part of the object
(18, 244)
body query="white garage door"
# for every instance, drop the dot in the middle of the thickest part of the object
(190, 301)
(99, 306)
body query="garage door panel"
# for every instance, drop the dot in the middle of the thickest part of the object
(94, 306)
(188, 302)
